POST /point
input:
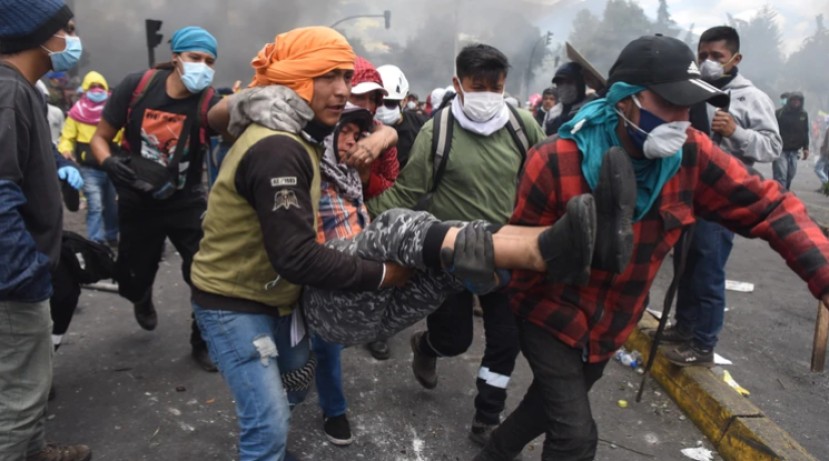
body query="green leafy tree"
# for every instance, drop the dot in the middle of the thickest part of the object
(760, 44)
(665, 25)
(807, 69)
(600, 41)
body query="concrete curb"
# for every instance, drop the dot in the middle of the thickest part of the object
(738, 429)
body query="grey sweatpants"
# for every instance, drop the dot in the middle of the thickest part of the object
(351, 318)
(25, 377)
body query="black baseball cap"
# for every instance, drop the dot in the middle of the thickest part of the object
(667, 67)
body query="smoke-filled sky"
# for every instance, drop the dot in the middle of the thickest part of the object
(423, 38)
(796, 18)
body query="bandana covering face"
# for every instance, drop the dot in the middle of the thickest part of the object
(85, 110)
(297, 57)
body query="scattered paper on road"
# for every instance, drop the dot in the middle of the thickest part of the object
(731, 382)
(742, 287)
(698, 454)
(720, 360)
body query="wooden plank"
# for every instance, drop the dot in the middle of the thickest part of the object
(821, 338)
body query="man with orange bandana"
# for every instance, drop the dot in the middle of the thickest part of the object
(266, 197)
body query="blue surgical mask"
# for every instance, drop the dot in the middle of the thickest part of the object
(655, 137)
(647, 122)
(69, 57)
(97, 96)
(196, 76)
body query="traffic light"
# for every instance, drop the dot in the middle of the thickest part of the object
(153, 36)
(387, 17)
(549, 37)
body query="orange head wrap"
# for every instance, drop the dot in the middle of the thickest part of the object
(297, 57)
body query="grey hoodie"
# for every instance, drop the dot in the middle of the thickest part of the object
(757, 137)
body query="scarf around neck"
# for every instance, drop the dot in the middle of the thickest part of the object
(275, 106)
(481, 128)
(593, 129)
(345, 178)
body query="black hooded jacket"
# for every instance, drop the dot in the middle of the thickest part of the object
(794, 124)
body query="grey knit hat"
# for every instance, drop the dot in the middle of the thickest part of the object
(26, 24)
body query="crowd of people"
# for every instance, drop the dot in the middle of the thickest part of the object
(341, 211)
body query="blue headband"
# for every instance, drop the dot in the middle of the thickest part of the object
(194, 39)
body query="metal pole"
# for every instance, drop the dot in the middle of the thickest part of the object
(529, 68)
(356, 17)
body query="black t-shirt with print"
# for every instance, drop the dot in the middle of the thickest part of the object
(153, 131)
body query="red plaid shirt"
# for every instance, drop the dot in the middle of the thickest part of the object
(710, 184)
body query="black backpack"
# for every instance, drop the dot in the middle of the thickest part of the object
(444, 124)
(88, 261)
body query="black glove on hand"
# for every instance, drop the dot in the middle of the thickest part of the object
(474, 258)
(118, 170)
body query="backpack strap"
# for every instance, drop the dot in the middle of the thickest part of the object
(441, 144)
(137, 94)
(442, 132)
(516, 129)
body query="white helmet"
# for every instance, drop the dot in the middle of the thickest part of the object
(394, 82)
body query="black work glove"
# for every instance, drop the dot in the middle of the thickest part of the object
(118, 169)
(473, 259)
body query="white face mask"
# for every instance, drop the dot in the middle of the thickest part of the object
(482, 106)
(712, 70)
(387, 116)
(666, 140)
(411, 105)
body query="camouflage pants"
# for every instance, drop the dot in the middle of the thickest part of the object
(351, 318)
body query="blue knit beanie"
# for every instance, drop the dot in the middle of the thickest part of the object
(194, 38)
(26, 24)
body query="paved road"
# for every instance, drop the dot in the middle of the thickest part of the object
(136, 395)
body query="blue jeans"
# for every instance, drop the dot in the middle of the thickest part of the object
(785, 167)
(700, 304)
(329, 377)
(822, 169)
(101, 206)
(250, 350)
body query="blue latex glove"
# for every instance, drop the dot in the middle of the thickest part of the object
(71, 175)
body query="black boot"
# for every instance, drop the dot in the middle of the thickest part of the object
(145, 313)
(567, 247)
(379, 349)
(615, 196)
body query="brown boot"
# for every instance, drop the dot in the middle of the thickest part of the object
(53, 452)
(423, 366)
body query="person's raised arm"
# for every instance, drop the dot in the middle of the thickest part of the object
(219, 118)
(101, 141)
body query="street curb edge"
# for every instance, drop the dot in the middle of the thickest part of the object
(738, 429)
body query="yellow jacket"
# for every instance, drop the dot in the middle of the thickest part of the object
(75, 136)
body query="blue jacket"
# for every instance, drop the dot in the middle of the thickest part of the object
(31, 209)
(24, 271)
